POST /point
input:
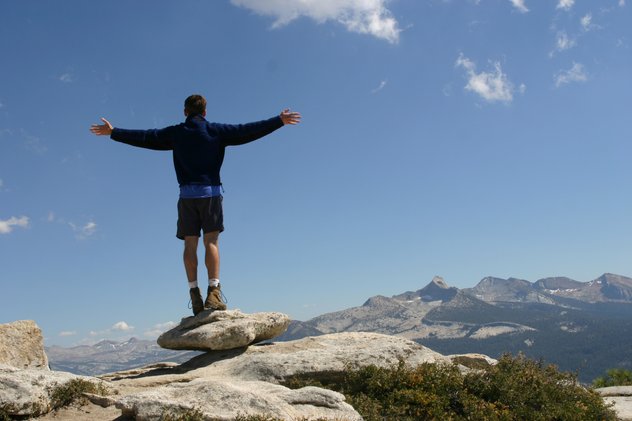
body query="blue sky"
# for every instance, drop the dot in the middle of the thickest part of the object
(454, 138)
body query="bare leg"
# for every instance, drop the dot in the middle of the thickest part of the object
(211, 258)
(190, 257)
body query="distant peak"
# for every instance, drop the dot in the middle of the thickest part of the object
(438, 281)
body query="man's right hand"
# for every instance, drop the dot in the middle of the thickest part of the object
(102, 129)
(290, 117)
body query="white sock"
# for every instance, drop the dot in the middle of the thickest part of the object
(213, 282)
(193, 284)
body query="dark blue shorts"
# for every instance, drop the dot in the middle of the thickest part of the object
(203, 214)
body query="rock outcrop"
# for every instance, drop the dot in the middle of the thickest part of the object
(27, 386)
(621, 398)
(22, 345)
(222, 330)
(225, 384)
(226, 399)
(29, 392)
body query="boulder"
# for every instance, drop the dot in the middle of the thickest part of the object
(221, 330)
(226, 399)
(28, 392)
(22, 345)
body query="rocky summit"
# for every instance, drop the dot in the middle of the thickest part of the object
(221, 330)
(228, 384)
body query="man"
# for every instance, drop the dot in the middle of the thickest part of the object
(198, 152)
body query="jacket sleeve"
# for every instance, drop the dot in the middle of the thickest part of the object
(239, 134)
(156, 139)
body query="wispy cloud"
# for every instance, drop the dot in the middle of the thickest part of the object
(65, 78)
(159, 329)
(7, 225)
(493, 86)
(576, 73)
(65, 333)
(379, 87)
(81, 231)
(565, 4)
(520, 5)
(586, 22)
(621, 3)
(562, 43)
(361, 16)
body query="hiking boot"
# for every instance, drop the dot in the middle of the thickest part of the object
(214, 299)
(196, 300)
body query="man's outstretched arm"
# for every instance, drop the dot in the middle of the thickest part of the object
(159, 140)
(239, 134)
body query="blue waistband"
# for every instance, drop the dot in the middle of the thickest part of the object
(197, 191)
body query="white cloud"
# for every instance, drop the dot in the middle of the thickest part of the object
(66, 78)
(565, 4)
(6, 226)
(380, 87)
(621, 3)
(122, 326)
(575, 74)
(519, 4)
(65, 333)
(159, 329)
(563, 42)
(586, 22)
(361, 16)
(522, 88)
(82, 232)
(492, 86)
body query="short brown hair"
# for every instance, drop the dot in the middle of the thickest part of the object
(195, 104)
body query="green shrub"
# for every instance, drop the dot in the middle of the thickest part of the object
(185, 415)
(614, 377)
(528, 389)
(72, 392)
(4, 416)
(515, 389)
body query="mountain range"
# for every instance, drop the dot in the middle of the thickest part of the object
(110, 356)
(585, 327)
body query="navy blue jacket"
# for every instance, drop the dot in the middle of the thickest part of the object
(198, 146)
